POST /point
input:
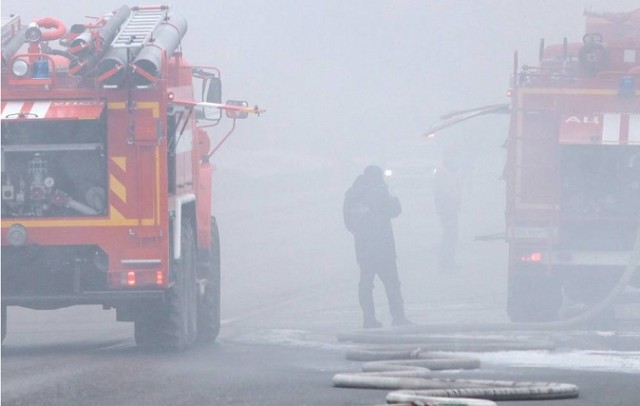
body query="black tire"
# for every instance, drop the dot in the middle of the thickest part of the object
(175, 326)
(209, 303)
(589, 286)
(4, 322)
(147, 333)
(533, 297)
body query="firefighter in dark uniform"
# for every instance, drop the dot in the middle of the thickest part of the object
(447, 201)
(368, 210)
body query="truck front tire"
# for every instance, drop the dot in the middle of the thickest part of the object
(209, 303)
(175, 327)
(533, 297)
(4, 322)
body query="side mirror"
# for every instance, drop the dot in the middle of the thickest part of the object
(237, 114)
(214, 95)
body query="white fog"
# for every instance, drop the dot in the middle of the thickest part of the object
(346, 84)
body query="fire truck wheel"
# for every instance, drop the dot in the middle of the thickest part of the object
(587, 287)
(209, 305)
(176, 328)
(4, 322)
(533, 297)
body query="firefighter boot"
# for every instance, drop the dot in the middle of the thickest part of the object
(396, 308)
(368, 311)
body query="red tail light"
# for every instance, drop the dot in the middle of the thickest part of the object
(533, 257)
(137, 278)
(131, 278)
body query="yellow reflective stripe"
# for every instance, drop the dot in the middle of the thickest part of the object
(154, 106)
(118, 188)
(115, 214)
(116, 219)
(120, 161)
(157, 186)
(117, 105)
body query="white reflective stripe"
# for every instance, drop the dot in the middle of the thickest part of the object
(177, 203)
(12, 110)
(611, 128)
(39, 109)
(634, 129)
(140, 261)
(593, 258)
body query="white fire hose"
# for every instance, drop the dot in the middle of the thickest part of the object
(408, 372)
(406, 366)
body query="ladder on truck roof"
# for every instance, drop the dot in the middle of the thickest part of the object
(10, 26)
(137, 30)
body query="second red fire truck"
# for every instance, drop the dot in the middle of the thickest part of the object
(572, 169)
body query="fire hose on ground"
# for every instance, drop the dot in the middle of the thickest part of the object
(407, 369)
(405, 362)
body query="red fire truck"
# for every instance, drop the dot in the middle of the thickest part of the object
(106, 173)
(573, 167)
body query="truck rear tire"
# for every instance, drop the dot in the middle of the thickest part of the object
(176, 326)
(209, 303)
(533, 297)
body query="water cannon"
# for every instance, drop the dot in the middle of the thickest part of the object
(38, 31)
(55, 29)
(33, 33)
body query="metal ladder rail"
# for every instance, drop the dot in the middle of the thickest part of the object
(10, 26)
(137, 31)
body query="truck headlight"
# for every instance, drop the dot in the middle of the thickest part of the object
(20, 67)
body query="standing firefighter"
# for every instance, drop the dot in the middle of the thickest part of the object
(368, 210)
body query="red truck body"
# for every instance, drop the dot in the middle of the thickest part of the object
(573, 168)
(106, 179)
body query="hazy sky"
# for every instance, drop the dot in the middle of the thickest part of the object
(340, 75)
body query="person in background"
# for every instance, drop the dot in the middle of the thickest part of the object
(446, 193)
(368, 210)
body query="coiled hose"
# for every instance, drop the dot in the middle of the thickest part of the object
(406, 367)
(407, 370)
